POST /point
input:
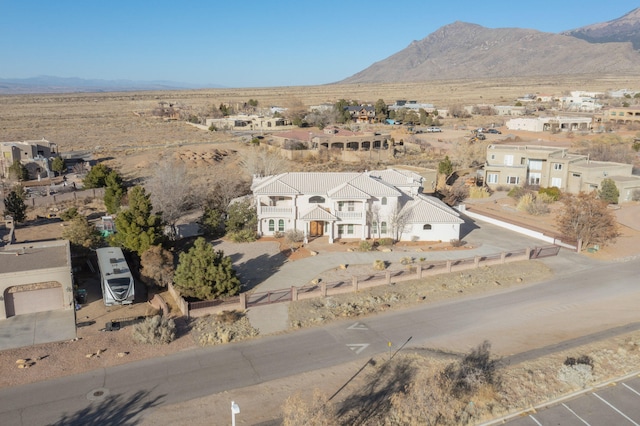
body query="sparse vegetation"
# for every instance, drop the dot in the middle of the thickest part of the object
(155, 331)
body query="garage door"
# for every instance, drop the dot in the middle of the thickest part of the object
(30, 301)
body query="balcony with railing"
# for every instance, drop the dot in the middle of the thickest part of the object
(349, 215)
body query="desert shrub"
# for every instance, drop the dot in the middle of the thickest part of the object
(69, 214)
(577, 371)
(476, 369)
(406, 261)
(379, 265)
(533, 205)
(455, 242)
(155, 330)
(385, 241)
(545, 198)
(478, 192)
(553, 192)
(365, 245)
(517, 192)
(278, 234)
(294, 236)
(525, 201)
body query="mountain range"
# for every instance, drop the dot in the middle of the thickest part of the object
(468, 51)
(456, 51)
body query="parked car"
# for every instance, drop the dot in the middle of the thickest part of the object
(494, 131)
(434, 130)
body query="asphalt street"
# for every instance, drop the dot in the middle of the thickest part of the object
(515, 320)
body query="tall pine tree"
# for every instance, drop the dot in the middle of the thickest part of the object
(137, 228)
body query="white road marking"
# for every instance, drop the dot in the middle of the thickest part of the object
(575, 414)
(534, 419)
(357, 326)
(358, 347)
(618, 411)
(631, 389)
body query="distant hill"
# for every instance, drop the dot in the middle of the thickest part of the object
(51, 84)
(623, 29)
(469, 51)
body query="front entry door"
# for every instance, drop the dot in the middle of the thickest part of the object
(316, 228)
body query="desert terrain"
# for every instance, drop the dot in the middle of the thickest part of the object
(115, 127)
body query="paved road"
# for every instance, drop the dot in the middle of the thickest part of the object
(515, 320)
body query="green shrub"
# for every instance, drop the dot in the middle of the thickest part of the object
(243, 236)
(155, 330)
(553, 192)
(365, 245)
(385, 241)
(69, 214)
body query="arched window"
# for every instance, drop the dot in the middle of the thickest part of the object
(384, 201)
(426, 227)
(281, 225)
(316, 199)
(271, 225)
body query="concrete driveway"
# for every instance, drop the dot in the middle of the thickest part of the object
(41, 327)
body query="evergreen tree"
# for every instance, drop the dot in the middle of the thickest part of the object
(205, 274)
(609, 191)
(445, 167)
(15, 207)
(18, 171)
(97, 177)
(242, 222)
(137, 228)
(113, 192)
(57, 165)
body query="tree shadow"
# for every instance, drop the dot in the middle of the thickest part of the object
(114, 410)
(373, 398)
(256, 270)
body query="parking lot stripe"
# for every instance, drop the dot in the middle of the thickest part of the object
(575, 414)
(534, 419)
(618, 411)
(631, 389)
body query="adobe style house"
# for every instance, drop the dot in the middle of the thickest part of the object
(514, 165)
(34, 155)
(622, 115)
(374, 204)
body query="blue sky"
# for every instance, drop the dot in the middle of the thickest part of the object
(250, 43)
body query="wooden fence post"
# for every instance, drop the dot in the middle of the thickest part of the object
(476, 261)
(448, 266)
(243, 301)
(503, 257)
(354, 283)
(387, 277)
(419, 271)
(323, 289)
(294, 293)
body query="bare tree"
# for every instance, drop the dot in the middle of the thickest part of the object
(586, 218)
(398, 221)
(171, 191)
(261, 162)
(373, 216)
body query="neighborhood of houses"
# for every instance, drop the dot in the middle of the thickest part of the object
(395, 203)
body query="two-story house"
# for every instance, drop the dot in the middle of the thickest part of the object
(35, 156)
(375, 204)
(514, 165)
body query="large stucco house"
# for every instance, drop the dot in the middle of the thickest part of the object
(372, 204)
(517, 165)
